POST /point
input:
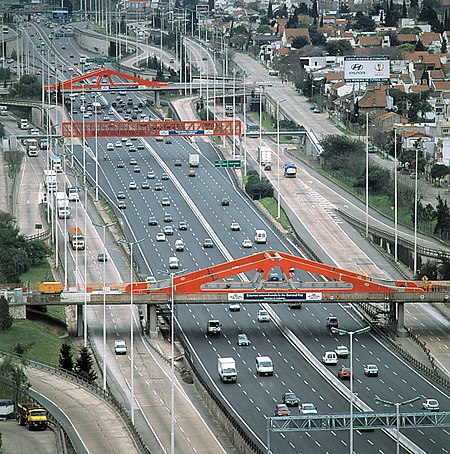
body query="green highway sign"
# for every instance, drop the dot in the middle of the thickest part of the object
(228, 163)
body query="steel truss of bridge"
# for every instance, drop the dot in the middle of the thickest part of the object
(361, 421)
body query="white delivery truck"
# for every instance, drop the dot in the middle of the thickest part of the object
(264, 365)
(73, 193)
(50, 181)
(32, 147)
(62, 205)
(227, 369)
(194, 159)
(265, 157)
(213, 327)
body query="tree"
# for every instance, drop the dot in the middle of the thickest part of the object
(270, 11)
(343, 154)
(444, 269)
(364, 23)
(379, 179)
(13, 370)
(314, 10)
(404, 10)
(438, 171)
(444, 46)
(317, 38)
(65, 357)
(28, 87)
(299, 42)
(6, 320)
(419, 47)
(83, 365)
(442, 227)
(256, 187)
(341, 48)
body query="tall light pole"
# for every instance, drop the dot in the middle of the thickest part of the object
(278, 159)
(96, 149)
(260, 128)
(351, 334)
(415, 212)
(397, 406)
(131, 244)
(395, 198)
(104, 227)
(367, 174)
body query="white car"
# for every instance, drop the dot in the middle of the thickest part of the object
(118, 143)
(160, 236)
(307, 409)
(132, 185)
(263, 316)
(120, 347)
(242, 340)
(371, 369)
(174, 263)
(129, 143)
(234, 306)
(235, 226)
(110, 146)
(342, 351)
(431, 405)
(165, 202)
(168, 230)
(247, 243)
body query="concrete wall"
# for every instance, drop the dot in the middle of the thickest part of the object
(91, 42)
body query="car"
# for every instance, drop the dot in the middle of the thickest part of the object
(344, 373)
(371, 370)
(120, 195)
(121, 205)
(132, 149)
(290, 399)
(151, 175)
(342, 351)
(152, 220)
(234, 226)
(263, 316)
(242, 340)
(132, 186)
(159, 139)
(282, 410)
(168, 141)
(120, 347)
(110, 146)
(164, 176)
(141, 146)
(106, 118)
(316, 110)
(150, 279)
(158, 187)
(208, 243)
(168, 230)
(177, 163)
(182, 225)
(191, 173)
(430, 405)
(247, 243)
(120, 165)
(129, 143)
(179, 245)
(118, 143)
(174, 263)
(168, 217)
(102, 257)
(307, 408)
(137, 169)
(160, 236)
(332, 322)
(165, 201)
(145, 185)
(234, 306)
(133, 162)
(225, 201)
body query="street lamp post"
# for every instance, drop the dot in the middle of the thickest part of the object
(351, 334)
(278, 159)
(131, 244)
(96, 149)
(104, 227)
(397, 407)
(415, 212)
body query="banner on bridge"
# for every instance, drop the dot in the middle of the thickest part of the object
(275, 296)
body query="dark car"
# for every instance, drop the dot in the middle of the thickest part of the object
(121, 204)
(164, 176)
(332, 322)
(225, 202)
(177, 163)
(120, 165)
(120, 195)
(102, 257)
(290, 399)
(191, 173)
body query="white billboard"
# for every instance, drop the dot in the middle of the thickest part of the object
(366, 69)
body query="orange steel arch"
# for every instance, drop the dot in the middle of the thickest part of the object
(262, 263)
(151, 128)
(104, 80)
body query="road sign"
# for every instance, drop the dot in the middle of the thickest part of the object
(228, 163)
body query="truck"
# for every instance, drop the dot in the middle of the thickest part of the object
(43, 144)
(227, 369)
(23, 123)
(32, 416)
(290, 170)
(265, 157)
(194, 159)
(229, 111)
(32, 147)
(56, 164)
(3, 110)
(76, 238)
(50, 181)
(62, 205)
(213, 327)
(73, 193)
(50, 288)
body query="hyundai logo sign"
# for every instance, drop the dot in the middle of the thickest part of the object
(366, 69)
(357, 67)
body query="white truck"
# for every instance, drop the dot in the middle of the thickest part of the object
(227, 369)
(62, 205)
(50, 181)
(265, 157)
(194, 159)
(213, 327)
(32, 147)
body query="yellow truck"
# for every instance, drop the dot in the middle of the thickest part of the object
(50, 287)
(32, 416)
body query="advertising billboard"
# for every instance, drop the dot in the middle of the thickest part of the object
(366, 69)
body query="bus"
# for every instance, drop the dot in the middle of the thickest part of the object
(3, 110)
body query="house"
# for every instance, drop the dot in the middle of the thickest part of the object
(373, 101)
(369, 41)
(290, 34)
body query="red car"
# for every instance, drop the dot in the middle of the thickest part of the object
(191, 173)
(344, 373)
(282, 410)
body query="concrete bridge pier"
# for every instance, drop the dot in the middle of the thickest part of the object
(401, 331)
(151, 326)
(157, 98)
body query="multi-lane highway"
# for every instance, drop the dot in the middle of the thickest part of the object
(196, 200)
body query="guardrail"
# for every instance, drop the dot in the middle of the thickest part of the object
(95, 389)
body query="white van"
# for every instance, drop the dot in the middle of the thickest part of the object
(120, 347)
(174, 262)
(260, 236)
(330, 358)
(110, 146)
(179, 245)
(264, 365)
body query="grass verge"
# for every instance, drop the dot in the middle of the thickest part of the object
(270, 204)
